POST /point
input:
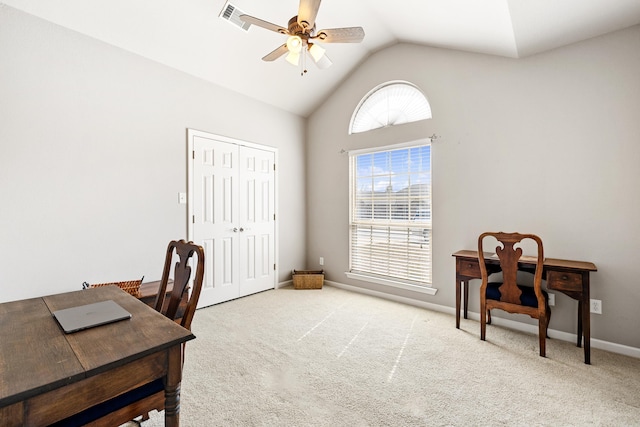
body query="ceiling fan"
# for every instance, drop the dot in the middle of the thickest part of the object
(302, 36)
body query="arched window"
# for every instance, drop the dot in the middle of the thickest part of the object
(391, 103)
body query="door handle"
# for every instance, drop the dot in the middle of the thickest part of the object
(235, 229)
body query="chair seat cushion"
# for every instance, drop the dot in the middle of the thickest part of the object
(527, 298)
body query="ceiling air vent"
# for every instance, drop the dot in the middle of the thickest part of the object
(232, 14)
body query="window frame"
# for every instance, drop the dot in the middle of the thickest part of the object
(398, 98)
(403, 283)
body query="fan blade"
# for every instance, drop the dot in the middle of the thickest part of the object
(307, 13)
(340, 35)
(276, 53)
(264, 24)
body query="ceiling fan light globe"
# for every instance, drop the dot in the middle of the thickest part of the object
(316, 52)
(324, 62)
(294, 44)
(293, 58)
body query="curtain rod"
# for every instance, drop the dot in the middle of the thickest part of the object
(432, 138)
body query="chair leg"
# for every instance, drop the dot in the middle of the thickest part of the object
(548, 320)
(542, 334)
(483, 320)
(488, 317)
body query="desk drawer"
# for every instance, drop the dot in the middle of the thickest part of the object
(563, 281)
(468, 268)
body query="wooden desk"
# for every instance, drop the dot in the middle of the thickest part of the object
(569, 277)
(47, 375)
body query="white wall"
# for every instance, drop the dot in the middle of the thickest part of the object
(93, 144)
(548, 144)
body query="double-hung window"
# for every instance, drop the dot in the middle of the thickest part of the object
(390, 216)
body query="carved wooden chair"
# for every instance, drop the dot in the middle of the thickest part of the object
(148, 397)
(508, 295)
(181, 275)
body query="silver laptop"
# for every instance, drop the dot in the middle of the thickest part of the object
(87, 316)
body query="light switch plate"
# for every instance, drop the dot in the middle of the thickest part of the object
(182, 198)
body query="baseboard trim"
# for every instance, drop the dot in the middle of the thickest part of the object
(523, 327)
(285, 284)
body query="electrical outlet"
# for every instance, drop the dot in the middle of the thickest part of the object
(595, 306)
(552, 299)
(321, 260)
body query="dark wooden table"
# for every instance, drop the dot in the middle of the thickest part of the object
(47, 375)
(566, 276)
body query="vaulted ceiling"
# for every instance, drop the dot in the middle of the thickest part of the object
(190, 35)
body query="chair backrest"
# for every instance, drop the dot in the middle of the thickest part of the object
(509, 255)
(181, 275)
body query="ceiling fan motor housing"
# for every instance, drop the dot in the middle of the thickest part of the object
(295, 28)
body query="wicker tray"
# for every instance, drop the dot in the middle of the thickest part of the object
(131, 286)
(308, 279)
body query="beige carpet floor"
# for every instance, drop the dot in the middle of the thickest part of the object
(332, 357)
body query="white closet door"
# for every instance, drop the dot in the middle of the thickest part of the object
(257, 220)
(214, 217)
(232, 204)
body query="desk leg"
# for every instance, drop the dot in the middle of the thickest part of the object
(586, 318)
(586, 325)
(466, 297)
(458, 284)
(172, 387)
(461, 295)
(580, 302)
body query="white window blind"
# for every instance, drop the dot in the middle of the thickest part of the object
(390, 218)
